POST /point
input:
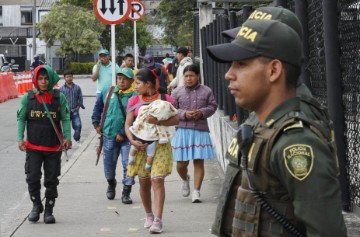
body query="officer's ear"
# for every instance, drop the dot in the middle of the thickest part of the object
(276, 70)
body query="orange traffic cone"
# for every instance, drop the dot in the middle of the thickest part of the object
(20, 85)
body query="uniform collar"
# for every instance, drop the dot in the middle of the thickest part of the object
(281, 110)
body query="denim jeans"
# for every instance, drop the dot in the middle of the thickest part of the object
(111, 152)
(76, 124)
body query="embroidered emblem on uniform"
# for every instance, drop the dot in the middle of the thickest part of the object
(299, 160)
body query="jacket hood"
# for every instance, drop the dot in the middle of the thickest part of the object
(53, 77)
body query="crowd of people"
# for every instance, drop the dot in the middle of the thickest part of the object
(287, 183)
(138, 119)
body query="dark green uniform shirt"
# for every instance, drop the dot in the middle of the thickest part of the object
(308, 169)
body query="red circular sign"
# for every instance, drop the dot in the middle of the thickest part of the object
(112, 11)
(137, 11)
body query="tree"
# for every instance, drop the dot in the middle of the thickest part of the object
(75, 27)
(88, 4)
(125, 35)
(177, 21)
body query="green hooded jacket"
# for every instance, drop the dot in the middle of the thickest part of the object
(64, 110)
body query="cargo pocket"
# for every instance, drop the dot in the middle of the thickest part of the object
(247, 215)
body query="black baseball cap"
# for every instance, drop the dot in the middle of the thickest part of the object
(149, 60)
(270, 13)
(268, 38)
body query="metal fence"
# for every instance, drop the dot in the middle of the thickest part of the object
(331, 71)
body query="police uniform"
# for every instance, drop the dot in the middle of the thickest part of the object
(289, 184)
(222, 225)
(288, 160)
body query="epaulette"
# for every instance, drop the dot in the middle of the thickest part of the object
(295, 125)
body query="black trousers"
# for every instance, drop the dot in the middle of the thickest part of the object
(52, 168)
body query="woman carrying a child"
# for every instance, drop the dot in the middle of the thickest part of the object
(147, 86)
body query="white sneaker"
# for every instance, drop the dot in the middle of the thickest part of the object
(185, 187)
(196, 197)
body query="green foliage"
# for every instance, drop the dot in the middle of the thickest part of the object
(176, 16)
(88, 4)
(82, 68)
(75, 27)
(125, 35)
(74, 24)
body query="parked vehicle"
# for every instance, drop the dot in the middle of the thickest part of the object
(6, 66)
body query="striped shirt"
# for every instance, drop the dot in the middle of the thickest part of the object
(73, 95)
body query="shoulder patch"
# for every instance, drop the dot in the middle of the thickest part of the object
(298, 124)
(299, 160)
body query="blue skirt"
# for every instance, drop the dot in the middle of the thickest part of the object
(190, 144)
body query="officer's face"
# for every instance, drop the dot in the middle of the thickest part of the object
(248, 83)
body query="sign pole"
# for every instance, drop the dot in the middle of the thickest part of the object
(113, 59)
(135, 48)
(113, 12)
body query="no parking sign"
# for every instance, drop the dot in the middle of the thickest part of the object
(137, 10)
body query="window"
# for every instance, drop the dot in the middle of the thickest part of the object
(26, 16)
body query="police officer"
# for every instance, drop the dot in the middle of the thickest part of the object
(289, 183)
(225, 211)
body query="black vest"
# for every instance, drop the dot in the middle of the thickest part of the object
(40, 132)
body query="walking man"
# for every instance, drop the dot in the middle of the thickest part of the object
(44, 111)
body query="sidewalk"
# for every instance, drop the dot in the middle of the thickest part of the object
(82, 208)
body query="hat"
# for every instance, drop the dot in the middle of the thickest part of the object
(182, 50)
(68, 72)
(128, 72)
(103, 51)
(269, 38)
(270, 13)
(149, 60)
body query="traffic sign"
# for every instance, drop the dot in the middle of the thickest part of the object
(137, 10)
(112, 11)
